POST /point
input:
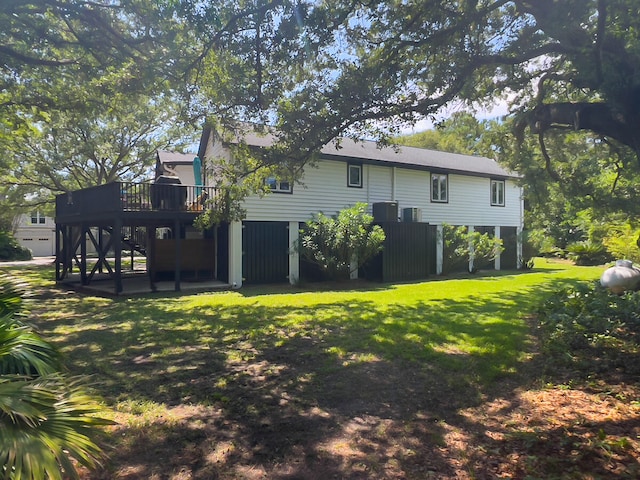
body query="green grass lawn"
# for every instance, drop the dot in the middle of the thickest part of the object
(149, 347)
(389, 350)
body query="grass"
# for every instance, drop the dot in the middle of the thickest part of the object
(312, 361)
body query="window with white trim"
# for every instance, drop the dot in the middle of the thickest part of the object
(354, 175)
(37, 218)
(278, 186)
(439, 187)
(497, 193)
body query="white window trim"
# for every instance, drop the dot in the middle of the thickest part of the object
(439, 199)
(40, 219)
(349, 182)
(495, 199)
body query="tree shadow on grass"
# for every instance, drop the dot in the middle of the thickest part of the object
(352, 390)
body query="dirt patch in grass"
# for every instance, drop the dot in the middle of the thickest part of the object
(379, 420)
(292, 410)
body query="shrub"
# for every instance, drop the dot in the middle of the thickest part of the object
(588, 253)
(459, 245)
(587, 328)
(529, 250)
(339, 245)
(621, 242)
(10, 249)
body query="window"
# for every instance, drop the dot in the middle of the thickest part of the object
(354, 175)
(37, 217)
(497, 193)
(439, 184)
(278, 186)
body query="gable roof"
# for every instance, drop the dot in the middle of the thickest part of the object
(175, 158)
(367, 151)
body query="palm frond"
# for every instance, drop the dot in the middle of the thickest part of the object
(45, 423)
(24, 352)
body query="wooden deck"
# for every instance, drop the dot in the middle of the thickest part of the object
(151, 219)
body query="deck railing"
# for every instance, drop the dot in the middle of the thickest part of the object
(134, 197)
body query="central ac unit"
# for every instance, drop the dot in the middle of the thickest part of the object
(385, 212)
(411, 214)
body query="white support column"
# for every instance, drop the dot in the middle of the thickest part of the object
(235, 254)
(497, 235)
(294, 256)
(439, 250)
(471, 229)
(519, 232)
(354, 275)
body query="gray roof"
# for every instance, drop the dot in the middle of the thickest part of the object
(368, 151)
(175, 158)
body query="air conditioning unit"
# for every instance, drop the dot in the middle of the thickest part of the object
(385, 212)
(411, 214)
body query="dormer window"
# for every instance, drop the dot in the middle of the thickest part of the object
(37, 218)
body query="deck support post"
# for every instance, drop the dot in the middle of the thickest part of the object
(178, 265)
(117, 248)
(83, 254)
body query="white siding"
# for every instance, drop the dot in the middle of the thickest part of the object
(379, 182)
(324, 189)
(413, 190)
(470, 204)
(38, 237)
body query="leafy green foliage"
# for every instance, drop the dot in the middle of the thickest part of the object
(587, 328)
(10, 249)
(588, 253)
(45, 418)
(339, 245)
(460, 246)
(621, 241)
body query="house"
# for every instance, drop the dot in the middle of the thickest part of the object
(415, 185)
(411, 193)
(36, 232)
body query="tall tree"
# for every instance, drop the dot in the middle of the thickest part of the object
(367, 67)
(71, 150)
(89, 91)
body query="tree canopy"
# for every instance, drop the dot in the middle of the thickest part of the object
(323, 69)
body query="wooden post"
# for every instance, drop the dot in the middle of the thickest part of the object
(178, 262)
(117, 247)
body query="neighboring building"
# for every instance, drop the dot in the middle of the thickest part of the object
(37, 233)
(401, 183)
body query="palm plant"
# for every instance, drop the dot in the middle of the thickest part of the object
(46, 419)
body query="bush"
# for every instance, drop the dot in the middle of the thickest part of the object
(589, 329)
(10, 249)
(459, 245)
(339, 245)
(588, 253)
(529, 250)
(621, 242)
